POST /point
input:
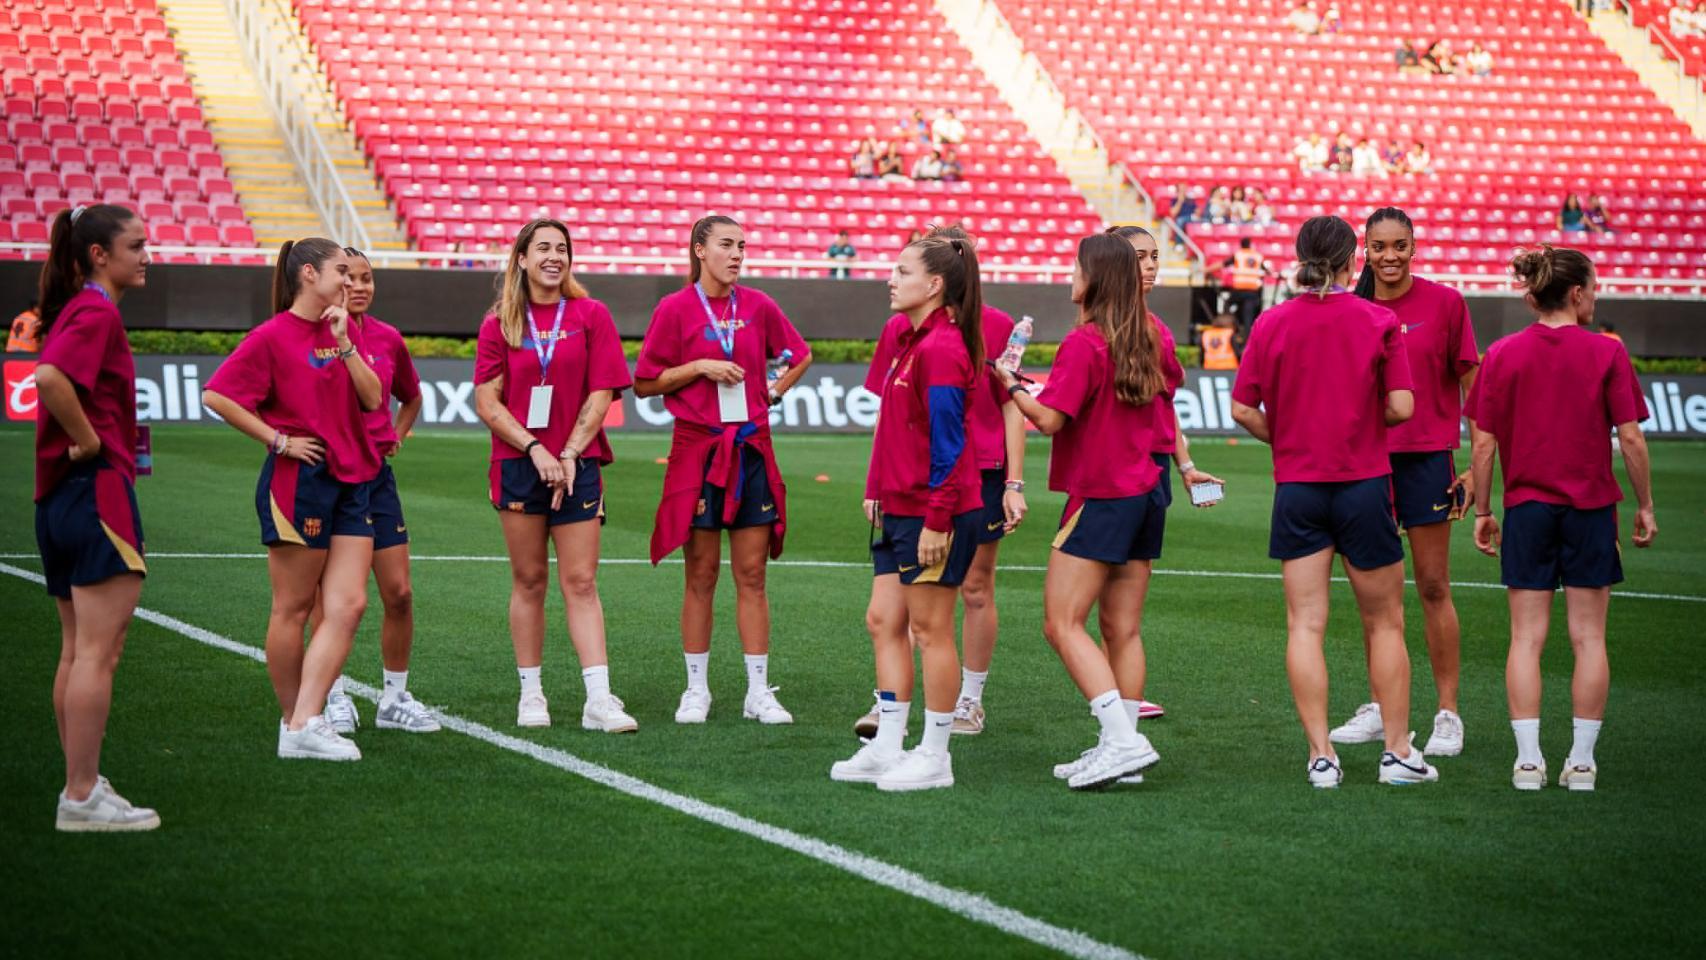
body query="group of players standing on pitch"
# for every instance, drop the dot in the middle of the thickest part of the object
(1359, 393)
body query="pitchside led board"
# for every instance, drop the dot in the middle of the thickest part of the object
(830, 398)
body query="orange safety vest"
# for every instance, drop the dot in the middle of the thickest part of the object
(1217, 352)
(1246, 270)
(24, 337)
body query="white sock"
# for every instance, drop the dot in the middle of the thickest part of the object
(971, 684)
(396, 681)
(937, 726)
(1587, 734)
(1117, 727)
(337, 687)
(1528, 741)
(891, 722)
(698, 664)
(529, 679)
(597, 680)
(1131, 709)
(757, 672)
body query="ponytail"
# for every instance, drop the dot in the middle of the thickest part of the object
(1325, 245)
(951, 254)
(68, 266)
(293, 255)
(1548, 274)
(1365, 280)
(1114, 302)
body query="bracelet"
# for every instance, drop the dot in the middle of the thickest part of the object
(1014, 390)
(1187, 467)
(346, 352)
(570, 453)
(527, 451)
(1017, 486)
(279, 442)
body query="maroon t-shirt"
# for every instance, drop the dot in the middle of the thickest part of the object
(588, 357)
(88, 345)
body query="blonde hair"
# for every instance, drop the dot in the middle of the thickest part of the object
(511, 307)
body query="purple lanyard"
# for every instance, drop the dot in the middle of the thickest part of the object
(539, 347)
(724, 329)
(100, 290)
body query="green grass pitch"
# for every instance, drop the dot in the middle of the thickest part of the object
(445, 845)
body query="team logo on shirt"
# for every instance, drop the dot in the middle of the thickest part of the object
(321, 357)
(311, 527)
(527, 342)
(736, 324)
(1405, 328)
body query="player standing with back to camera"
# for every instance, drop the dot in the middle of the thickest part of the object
(706, 353)
(1428, 492)
(299, 384)
(1545, 401)
(88, 527)
(923, 498)
(1323, 377)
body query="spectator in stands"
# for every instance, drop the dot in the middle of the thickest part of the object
(1312, 153)
(916, 127)
(1366, 160)
(1439, 59)
(1479, 60)
(1687, 20)
(1393, 157)
(1598, 216)
(1344, 154)
(1304, 19)
(1240, 201)
(1219, 209)
(25, 335)
(1408, 58)
(1183, 209)
(843, 252)
(1262, 212)
(864, 162)
(947, 129)
(1418, 160)
(952, 169)
(1571, 217)
(928, 166)
(890, 166)
(1331, 21)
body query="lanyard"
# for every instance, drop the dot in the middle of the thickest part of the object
(100, 290)
(546, 353)
(724, 328)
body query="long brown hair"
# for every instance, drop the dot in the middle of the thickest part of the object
(68, 265)
(700, 234)
(293, 255)
(1548, 274)
(1113, 301)
(511, 308)
(1325, 245)
(954, 259)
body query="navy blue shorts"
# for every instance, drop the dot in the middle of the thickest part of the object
(304, 504)
(89, 529)
(517, 488)
(1114, 530)
(757, 506)
(1164, 486)
(1544, 545)
(992, 520)
(1354, 517)
(1421, 485)
(897, 551)
(386, 509)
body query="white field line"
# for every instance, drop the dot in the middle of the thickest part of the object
(974, 907)
(851, 565)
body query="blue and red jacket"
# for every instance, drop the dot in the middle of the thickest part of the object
(922, 459)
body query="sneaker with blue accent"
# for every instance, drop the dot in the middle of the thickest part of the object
(1325, 773)
(1406, 770)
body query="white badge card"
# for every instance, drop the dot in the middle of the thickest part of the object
(539, 408)
(1204, 493)
(731, 402)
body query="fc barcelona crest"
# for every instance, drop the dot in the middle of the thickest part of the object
(311, 527)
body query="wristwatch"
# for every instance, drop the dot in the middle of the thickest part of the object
(1017, 486)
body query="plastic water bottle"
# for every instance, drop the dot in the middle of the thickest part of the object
(776, 369)
(1016, 344)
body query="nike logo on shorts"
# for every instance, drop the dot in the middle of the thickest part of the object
(906, 569)
(588, 504)
(995, 526)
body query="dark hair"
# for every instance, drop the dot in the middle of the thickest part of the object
(1244, 243)
(1113, 301)
(949, 253)
(1325, 245)
(1128, 231)
(353, 252)
(1365, 280)
(68, 265)
(293, 255)
(1572, 197)
(1548, 274)
(702, 232)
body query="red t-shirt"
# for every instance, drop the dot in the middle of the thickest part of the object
(1441, 343)
(390, 360)
(287, 372)
(681, 333)
(1321, 368)
(1550, 396)
(88, 345)
(922, 463)
(1106, 450)
(1166, 424)
(588, 357)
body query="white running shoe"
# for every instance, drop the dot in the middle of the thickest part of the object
(340, 712)
(1325, 773)
(1578, 776)
(606, 713)
(968, 717)
(103, 811)
(1364, 726)
(695, 705)
(1065, 771)
(316, 741)
(1447, 738)
(920, 768)
(761, 705)
(1112, 761)
(1528, 776)
(866, 766)
(1404, 771)
(1149, 711)
(532, 710)
(404, 712)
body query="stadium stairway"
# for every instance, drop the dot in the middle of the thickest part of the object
(1664, 76)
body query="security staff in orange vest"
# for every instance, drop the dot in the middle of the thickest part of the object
(1218, 351)
(1245, 270)
(25, 335)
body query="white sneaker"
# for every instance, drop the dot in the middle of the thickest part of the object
(1149, 711)
(761, 705)
(1065, 771)
(404, 712)
(866, 766)
(1404, 771)
(695, 705)
(1112, 761)
(1447, 738)
(606, 713)
(103, 811)
(1578, 776)
(1363, 727)
(1325, 773)
(340, 712)
(1528, 776)
(532, 710)
(968, 717)
(316, 741)
(920, 768)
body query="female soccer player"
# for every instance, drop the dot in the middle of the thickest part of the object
(1322, 378)
(547, 367)
(389, 358)
(706, 354)
(923, 492)
(87, 525)
(299, 384)
(1427, 491)
(1546, 398)
(1100, 405)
